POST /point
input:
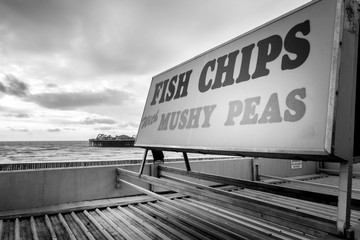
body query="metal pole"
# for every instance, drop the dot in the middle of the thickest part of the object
(143, 162)
(187, 164)
(344, 199)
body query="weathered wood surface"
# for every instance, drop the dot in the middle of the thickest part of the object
(284, 215)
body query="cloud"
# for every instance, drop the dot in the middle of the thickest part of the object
(70, 129)
(104, 128)
(91, 121)
(18, 129)
(54, 130)
(63, 100)
(134, 125)
(51, 85)
(74, 100)
(18, 115)
(14, 86)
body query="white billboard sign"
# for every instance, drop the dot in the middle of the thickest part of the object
(271, 90)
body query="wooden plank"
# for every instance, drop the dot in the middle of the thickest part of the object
(291, 217)
(318, 208)
(114, 225)
(33, 229)
(175, 221)
(286, 232)
(129, 225)
(222, 224)
(76, 206)
(1, 228)
(143, 223)
(280, 190)
(17, 229)
(301, 182)
(187, 215)
(174, 231)
(221, 192)
(49, 226)
(66, 226)
(337, 172)
(82, 226)
(344, 204)
(252, 199)
(98, 225)
(172, 202)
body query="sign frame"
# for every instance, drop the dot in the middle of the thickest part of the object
(339, 138)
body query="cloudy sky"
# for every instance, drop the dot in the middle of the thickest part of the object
(70, 69)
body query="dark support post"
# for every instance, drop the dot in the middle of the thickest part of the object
(187, 164)
(143, 162)
(158, 160)
(158, 155)
(344, 199)
(255, 169)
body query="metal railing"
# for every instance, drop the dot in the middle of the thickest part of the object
(75, 164)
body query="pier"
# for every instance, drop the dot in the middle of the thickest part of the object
(103, 140)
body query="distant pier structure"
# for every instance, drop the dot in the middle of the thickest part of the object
(103, 140)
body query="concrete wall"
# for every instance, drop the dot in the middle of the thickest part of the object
(282, 168)
(40, 188)
(335, 166)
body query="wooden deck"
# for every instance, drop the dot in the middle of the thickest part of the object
(238, 210)
(177, 218)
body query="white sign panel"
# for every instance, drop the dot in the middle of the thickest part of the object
(269, 91)
(296, 164)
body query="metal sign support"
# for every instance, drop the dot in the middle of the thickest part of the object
(187, 163)
(158, 155)
(344, 200)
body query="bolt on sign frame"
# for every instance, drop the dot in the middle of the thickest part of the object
(286, 89)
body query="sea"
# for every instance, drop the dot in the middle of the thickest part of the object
(69, 151)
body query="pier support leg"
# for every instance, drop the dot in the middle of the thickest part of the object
(143, 162)
(187, 163)
(255, 169)
(344, 200)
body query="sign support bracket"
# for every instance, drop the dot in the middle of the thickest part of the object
(143, 162)
(187, 163)
(344, 200)
(158, 155)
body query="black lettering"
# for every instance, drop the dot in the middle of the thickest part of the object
(183, 85)
(164, 90)
(298, 46)
(245, 63)
(228, 70)
(171, 89)
(203, 87)
(269, 50)
(158, 86)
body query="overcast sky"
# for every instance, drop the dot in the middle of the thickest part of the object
(70, 69)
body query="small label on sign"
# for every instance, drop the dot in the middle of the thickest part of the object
(296, 164)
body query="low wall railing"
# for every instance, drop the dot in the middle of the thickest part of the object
(65, 164)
